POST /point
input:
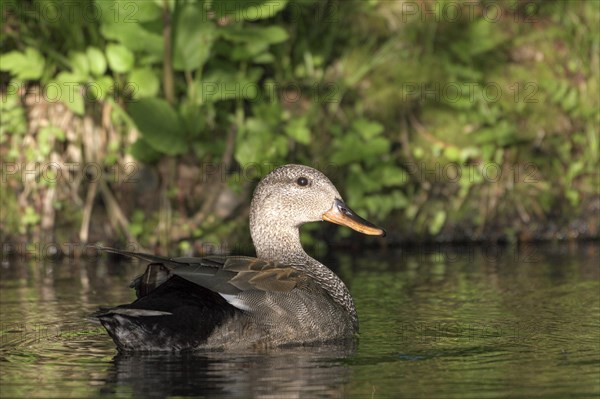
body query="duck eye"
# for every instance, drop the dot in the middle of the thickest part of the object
(302, 181)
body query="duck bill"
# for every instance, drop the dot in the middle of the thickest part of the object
(342, 215)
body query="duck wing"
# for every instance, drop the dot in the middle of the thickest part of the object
(227, 276)
(278, 303)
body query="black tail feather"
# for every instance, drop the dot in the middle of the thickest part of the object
(169, 262)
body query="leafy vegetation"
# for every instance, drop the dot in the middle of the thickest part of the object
(451, 120)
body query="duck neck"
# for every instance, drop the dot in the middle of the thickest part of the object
(280, 245)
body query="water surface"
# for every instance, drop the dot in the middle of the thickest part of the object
(436, 322)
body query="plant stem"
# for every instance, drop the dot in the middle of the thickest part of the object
(168, 84)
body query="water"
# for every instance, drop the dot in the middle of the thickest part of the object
(442, 322)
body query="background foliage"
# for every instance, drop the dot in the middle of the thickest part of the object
(150, 121)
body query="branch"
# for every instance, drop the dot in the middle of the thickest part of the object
(87, 212)
(115, 214)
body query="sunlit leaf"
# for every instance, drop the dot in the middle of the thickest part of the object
(194, 37)
(258, 35)
(120, 58)
(97, 61)
(145, 82)
(136, 38)
(438, 222)
(80, 65)
(66, 88)
(100, 88)
(24, 66)
(298, 130)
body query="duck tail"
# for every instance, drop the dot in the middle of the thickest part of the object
(139, 255)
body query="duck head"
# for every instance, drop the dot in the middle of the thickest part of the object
(291, 196)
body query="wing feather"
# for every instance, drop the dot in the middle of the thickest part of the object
(225, 275)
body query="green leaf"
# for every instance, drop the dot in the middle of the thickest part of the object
(99, 88)
(561, 90)
(193, 117)
(250, 10)
(120, 58)
(248, 51)
(264, 58)
(144, 152)
(246, 9)
(136, 38)
(351, 148)
(469, 152)
(260, 147)
(159, 125)
(24, 66)
(390, 175)
(30, 217)
(260, 140)
(575, 168)
(97, 61)
(194, 37)
(12, 61)
(573, 196)
(128, 12)
(501, 134)
(67, 89)
(227, 85)
(438, 222)
(483, 36)
(256, 35)
(569, 102)
(145, 82)
(79, 65)
(12, 119)
(297, 130)
(360, 182)
(141, 10)
(367, 129)
(46, 137)
(452, 153)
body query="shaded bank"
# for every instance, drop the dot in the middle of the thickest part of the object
(447, 123)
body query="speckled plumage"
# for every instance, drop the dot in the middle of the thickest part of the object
(278, 239)
(282, 297)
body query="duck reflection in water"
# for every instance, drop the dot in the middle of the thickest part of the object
(292, 372)
(280, 298)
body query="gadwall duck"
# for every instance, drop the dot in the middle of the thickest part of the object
(281, 297)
